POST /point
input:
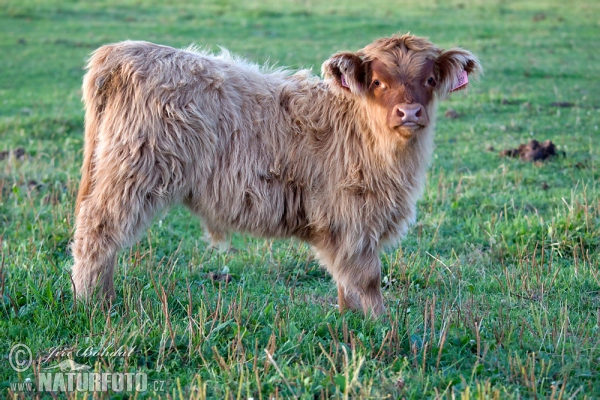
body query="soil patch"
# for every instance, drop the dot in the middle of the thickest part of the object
(18, 153)
(532, 151)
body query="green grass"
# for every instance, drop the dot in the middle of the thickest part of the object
(495, 292)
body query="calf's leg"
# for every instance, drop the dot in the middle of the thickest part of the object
(341, 298)
(369, 289)
(347, 300)
(120, 204)
(358, 280)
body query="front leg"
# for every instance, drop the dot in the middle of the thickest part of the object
(358, 277)
(347, 300)
(341, 298)
(368, 286)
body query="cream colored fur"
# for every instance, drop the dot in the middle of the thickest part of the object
(267, 152)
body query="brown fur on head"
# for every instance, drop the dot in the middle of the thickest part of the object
(402, 76)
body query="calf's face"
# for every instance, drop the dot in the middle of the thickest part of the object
(399, 78)
(403, 95)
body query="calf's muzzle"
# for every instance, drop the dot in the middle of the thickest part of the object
(410, 114)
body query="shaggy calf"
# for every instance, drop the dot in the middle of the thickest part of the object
(338, 163)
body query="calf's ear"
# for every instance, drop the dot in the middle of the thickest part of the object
(454, 68)
(346, 71)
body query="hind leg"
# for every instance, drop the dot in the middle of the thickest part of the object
(110, 217)
(216, 238)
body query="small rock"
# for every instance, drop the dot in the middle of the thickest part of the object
(19, 153)
(400, 383)
(217, 277)
(33, 184)
(450, 113)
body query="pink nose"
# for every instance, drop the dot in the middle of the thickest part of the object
(409, 112)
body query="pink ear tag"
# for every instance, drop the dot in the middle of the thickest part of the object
(461, 82)
(344, 84)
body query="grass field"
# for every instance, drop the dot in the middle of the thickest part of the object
(495, 292)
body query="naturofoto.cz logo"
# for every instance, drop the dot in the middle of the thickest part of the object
(69, 376)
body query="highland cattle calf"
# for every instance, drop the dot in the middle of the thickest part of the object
(338, 163)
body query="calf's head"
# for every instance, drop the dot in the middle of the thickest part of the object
(399, 79)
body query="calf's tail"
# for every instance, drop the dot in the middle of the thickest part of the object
(102, 69)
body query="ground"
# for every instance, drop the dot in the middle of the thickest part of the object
(495, 292)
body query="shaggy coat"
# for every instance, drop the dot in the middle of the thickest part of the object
(338, 163)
